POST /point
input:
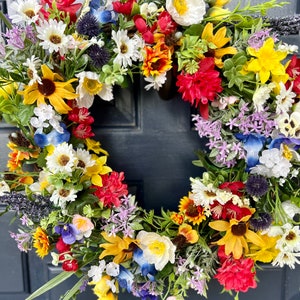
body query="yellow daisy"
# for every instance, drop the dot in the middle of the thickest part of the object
(54, 91)
(237, 236)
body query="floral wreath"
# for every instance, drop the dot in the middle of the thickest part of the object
(55, 57)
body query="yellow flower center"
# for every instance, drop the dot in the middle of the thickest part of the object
(92, 86)
(29, 13)
(55, 39)
(63, 160)
(291, 236)
(287, 152)
(180, 6)
(157, 248)
(64, 193)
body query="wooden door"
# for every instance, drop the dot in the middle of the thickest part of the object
(153, 142)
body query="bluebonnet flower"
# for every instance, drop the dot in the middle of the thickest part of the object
(146, 268)
(125, 278)
(68, 233)
(53, 137)
(253, 144)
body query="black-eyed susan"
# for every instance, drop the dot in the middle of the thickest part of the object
(237, 236)
(50, 89)
(41, 242)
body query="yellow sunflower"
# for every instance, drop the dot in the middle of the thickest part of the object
(54, 91)
(237, 236)
(193, 213)
(41, 242)
(219, 40)
(117, 247)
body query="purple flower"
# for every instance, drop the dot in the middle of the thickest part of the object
(261, 222)
(14, 37)
(88, 25)
(257, 39)
(22, 239)
(257, 185)
(68, 233)
(98, 55)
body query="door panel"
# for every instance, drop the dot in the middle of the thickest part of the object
(153, 142)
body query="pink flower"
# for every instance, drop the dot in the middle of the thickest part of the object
(84, 225)
(82, 131)
(166, 23)
(112, 189)
(122, 7)
(202, 86)
(81, 116)
(143, 29)
(237, 274)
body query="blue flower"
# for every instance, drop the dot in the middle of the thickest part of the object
(253, 143)
(68, 233)
(125, 279)
(53, 137)
(146, 268)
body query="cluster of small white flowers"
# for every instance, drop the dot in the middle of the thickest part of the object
(272, 164)
(111, 269)
(46, 116)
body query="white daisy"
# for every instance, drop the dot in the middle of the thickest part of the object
(4, 188)
(285, 99)
(202, 195)
(286, 258)
(24, 11)
(112, 269)
(52, 35)
(89, 86)
(155, 82)
(32, 64)
(62, 160)
(261, 95)
(290, 240)
(60, 197)
(186, 12)
(127, 49)
(84, 159)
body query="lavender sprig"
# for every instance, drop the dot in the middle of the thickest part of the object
(37, 208)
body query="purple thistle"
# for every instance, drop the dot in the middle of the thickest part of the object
(88, 25)
(98, 55)
(257, 185)
(261, 222)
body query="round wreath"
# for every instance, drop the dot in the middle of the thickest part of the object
(55, 57)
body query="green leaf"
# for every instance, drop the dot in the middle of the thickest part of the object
(50, 284)
(72, 292)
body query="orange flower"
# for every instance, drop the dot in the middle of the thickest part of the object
(157, 60)
(41, 242)
(177, 218)
(192, 212)
(189, 233)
